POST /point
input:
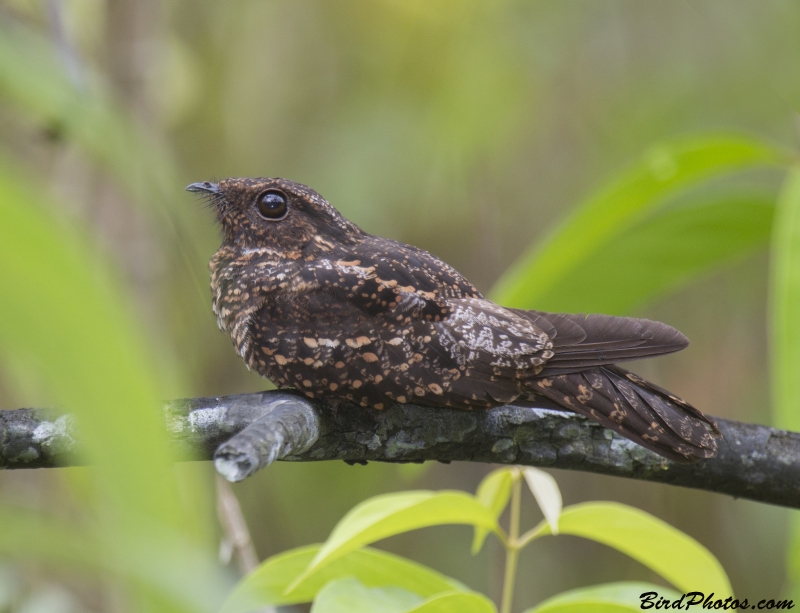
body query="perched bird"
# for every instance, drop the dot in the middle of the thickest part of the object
(311, 301)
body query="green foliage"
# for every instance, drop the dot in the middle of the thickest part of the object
(268, 585)
(622, 597)
(66, 317)
(344, 595)
(350, 596)
(89, 356)
(545, 489)
(785, 331)
(665, 251)
(456, 602)
(45, 263)
(493, 493)
(624, 227)
(391, 514)
(677, 557)
(339, 577)
(785, 303)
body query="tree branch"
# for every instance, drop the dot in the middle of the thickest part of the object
(247, 432)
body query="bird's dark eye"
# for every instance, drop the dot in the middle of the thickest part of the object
(272, 204)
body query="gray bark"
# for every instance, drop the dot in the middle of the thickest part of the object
(247, 432)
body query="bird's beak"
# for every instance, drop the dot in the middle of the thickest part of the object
(206, 187)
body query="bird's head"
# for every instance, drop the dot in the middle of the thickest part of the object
(274, 213)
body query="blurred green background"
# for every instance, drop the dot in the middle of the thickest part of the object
(467, 128)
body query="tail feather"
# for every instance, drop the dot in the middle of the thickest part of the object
(636, 409)
(565, 363)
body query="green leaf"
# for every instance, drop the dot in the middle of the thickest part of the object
(545, 489)
(785, 304)
(785, 329)
(62, 312)
(493, 492)
(373, 568)
(676, 556)
(664, 172)
(664, 252)
(456, 602)
(495, 489)
(621, 597)
(350, 596)
(85, 345)
(390, 514)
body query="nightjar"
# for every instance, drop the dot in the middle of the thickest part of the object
(313, 302)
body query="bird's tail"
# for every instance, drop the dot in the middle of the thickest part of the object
(636, 409)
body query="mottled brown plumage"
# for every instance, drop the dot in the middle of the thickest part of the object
(313, 302)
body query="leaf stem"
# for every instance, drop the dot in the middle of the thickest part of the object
(512, 546)
(532, 534)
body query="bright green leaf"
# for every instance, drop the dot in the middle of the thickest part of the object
(785, 303)
(545, 489)
(664, 252)
(785, 327)
(373, 568)
(493, 492)
(456, 602)
(676, 556)
(495, 489)
(664, 172)
(61, 312)
(86, 346)
(622, 597)
(390, 514)
(350, 596)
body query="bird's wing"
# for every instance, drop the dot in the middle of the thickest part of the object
(328, 341)
(585, 341)
(488, 338)
(495, 350)
(414, 267)
(369, 330)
